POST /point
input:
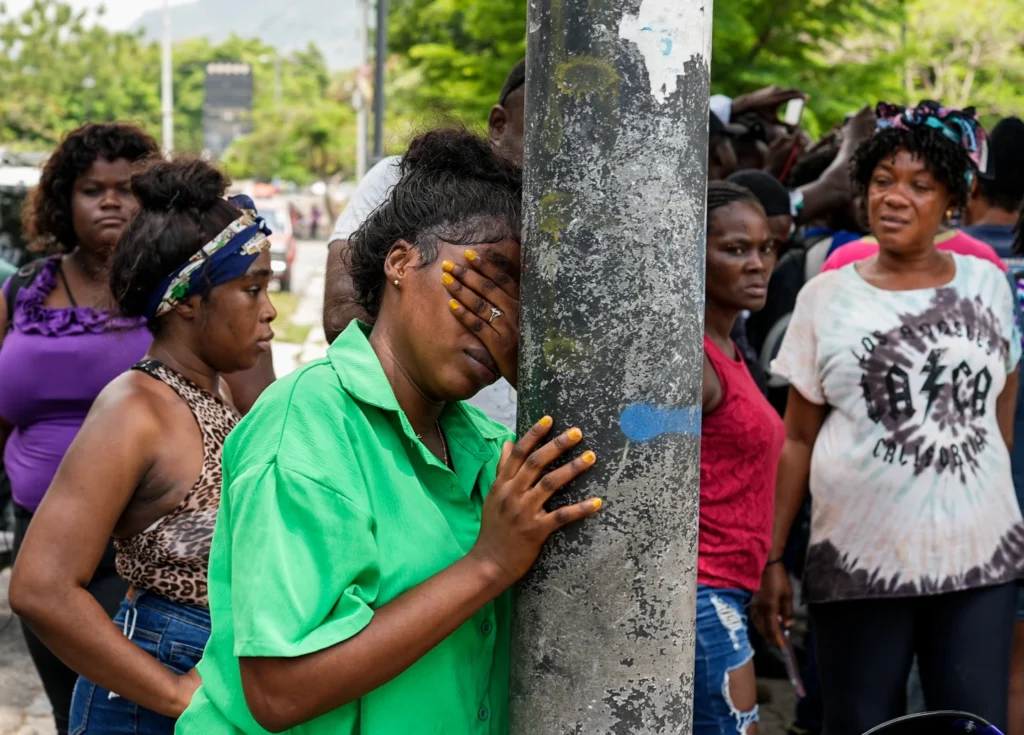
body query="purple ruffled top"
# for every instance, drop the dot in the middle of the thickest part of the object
(53, 364)
(31, 317)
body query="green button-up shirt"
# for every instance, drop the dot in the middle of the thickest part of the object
(331, 508)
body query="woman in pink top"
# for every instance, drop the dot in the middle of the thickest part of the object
(953, 241)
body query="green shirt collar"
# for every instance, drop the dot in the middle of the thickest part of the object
(358, 368)
(362, 376)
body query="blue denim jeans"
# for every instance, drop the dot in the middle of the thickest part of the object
(722, 646)
(174, 634)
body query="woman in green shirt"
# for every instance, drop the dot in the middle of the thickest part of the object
(371, 523)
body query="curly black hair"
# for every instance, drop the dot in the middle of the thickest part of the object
(182, 207)
(50, 203)
(454, 188)
(946, 161)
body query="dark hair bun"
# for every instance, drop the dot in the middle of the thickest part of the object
(181, 184)
(455, 188)
(182, 209)
(459, 153)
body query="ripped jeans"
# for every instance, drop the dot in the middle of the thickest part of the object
(722, 646)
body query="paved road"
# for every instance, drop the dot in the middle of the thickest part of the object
(310, 258)
(24, 709)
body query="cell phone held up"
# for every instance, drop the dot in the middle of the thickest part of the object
(794, 112)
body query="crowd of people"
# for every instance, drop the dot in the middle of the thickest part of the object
(202, 549)
(892, 358)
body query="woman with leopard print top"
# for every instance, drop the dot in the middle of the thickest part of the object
(196, 266)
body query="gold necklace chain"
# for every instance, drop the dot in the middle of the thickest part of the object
(444, 442)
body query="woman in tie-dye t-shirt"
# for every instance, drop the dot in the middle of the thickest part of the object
(903, 375)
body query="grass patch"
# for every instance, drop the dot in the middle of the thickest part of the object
(284, 329)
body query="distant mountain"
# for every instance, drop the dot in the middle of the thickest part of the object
(288, 25)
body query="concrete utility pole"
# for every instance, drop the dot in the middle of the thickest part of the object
(167, 84)
(612, 334)
(378, 80)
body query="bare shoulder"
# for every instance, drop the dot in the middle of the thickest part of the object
(132, 400)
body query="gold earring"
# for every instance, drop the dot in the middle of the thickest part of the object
(397, 284)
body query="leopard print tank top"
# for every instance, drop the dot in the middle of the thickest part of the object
(171, 557)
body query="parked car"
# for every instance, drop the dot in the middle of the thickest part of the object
(282, 241)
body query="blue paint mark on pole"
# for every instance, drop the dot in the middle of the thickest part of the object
(644, 423)
(666, 46)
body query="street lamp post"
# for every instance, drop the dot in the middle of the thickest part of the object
(612, 341)
(359, 96)
(167, 84)
(378, 91)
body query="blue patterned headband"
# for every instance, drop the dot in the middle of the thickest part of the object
(226, 257)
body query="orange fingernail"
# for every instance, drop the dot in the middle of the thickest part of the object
(447, 279)
(574, 434)
(447, 266)
(589, 457)
(597, 503)
(546, 422)
(454, 305)
(471, 255)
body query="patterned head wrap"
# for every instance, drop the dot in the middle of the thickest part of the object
(960, 126)
(226, 257)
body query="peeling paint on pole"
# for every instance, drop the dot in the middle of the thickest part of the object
(667, 38)
(612, 335)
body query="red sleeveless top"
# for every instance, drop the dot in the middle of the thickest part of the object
(740, 444)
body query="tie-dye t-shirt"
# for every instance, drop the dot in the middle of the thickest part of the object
(910, 474)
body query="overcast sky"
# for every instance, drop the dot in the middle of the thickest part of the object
(120, 13)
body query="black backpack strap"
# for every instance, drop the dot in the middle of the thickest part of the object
(24, 276)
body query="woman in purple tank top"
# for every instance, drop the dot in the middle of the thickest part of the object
(62, 344)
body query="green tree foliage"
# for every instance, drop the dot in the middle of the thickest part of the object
(814, 45)
(966, 52)
(59, 67)
(452, 56)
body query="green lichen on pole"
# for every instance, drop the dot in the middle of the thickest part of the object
(612, 334)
